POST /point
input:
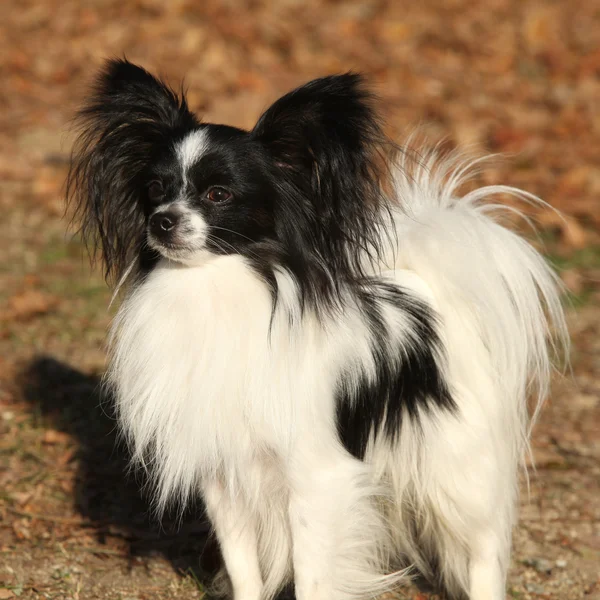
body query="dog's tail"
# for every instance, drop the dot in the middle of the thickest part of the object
(483, 273)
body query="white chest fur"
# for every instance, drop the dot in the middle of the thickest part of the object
(204, 379)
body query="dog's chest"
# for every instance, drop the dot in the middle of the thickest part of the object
(201, 374)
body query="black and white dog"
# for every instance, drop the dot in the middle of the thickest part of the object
(319, 337)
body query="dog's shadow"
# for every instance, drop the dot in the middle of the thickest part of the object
(105, 493)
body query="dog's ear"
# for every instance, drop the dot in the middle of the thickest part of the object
(326, 140)
(128, 118)
(326, 125)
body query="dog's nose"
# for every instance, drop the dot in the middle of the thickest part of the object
(163, 222)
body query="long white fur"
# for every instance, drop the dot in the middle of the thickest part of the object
(213, 403)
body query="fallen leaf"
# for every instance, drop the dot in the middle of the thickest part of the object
(508, 139)
(67, 457)
(573, 233)
(29, 304)
(574, 182)
(21, 498)
(541, 27)
(21, 529)
(51, 436)
(573, 279)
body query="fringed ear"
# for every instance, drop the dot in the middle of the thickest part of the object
(329, 120)
(327, 140)
(129, 117)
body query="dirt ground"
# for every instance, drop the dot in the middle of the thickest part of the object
(515, 77)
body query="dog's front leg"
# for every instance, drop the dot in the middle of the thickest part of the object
(235, 527)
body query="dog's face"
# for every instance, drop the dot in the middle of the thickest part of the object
(209, 192)
(148, 179)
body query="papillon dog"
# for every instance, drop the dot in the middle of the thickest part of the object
(320, 337)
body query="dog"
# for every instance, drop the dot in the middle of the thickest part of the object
(320, 336)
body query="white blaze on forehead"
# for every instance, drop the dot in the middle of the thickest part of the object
(191, 148)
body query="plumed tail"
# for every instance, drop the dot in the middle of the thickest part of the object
(482, 272)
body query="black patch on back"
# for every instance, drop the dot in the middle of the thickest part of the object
(408, 376)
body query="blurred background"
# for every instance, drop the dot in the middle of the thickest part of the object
(515, 77)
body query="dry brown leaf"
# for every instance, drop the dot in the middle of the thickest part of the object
(21, 529)
(51, 436)
(67, 457)
(545, 458)
(574, 234)
(30, 303)
(508, 139)
(590, 64)
(574, 181)
(21, 498)
(541, 27)
(573, 279)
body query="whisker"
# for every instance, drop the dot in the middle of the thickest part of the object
(234, 232)
(218, 242)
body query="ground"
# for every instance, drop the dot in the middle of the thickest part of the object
(517, 78)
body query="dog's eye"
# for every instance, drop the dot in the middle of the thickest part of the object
(155, 191)
(218, 194)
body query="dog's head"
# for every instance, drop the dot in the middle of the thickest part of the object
(149, 179)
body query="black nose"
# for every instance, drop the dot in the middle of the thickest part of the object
(162, 223)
